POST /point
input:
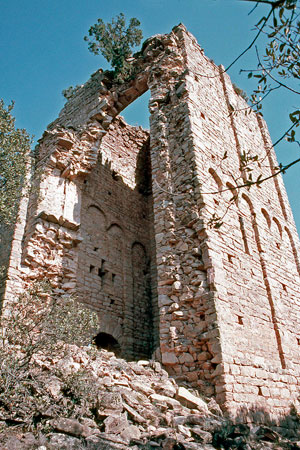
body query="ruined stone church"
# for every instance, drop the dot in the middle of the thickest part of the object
(122, 220)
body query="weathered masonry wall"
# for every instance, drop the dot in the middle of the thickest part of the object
(122, 220)
(11, 238)
(6, 237)
(253, 262)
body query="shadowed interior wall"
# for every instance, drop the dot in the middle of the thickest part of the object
(114, 269)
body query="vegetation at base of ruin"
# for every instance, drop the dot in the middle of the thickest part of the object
(38, 320)
(115, 42)
(14, 152)
(38, 327)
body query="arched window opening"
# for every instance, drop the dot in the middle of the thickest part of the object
(107, 342)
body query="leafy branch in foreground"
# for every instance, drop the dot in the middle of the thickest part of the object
(115, 42)
(279, 67)
(14, 151)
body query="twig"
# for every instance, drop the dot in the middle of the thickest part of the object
(271, 76)
(257, 3)
(274, 5)
(287, 131)
(253, 41)
(283, 169)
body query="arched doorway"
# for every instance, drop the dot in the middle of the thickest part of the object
(107, 342)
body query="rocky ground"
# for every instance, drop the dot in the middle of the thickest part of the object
(84, 398)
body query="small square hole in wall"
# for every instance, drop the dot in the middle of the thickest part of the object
(115, 175)
(112, 301)
(85, 182)
(96, 248)
(284, 287)
(203, 116)
(109, 193)
(230, 258)
(92, 268)
(113, 277)
(216, 201)
(277, 245)
(101, 272)
(240, 320)
(202, 316)
(298, 341)
(259, 391)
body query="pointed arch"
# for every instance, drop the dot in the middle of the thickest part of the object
(278, 225)
(96, 219)
(216, 178)
(233, 192)
(294, 250)
(267, 217)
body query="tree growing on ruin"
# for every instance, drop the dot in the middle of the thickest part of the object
(115, 42)
(14, 151)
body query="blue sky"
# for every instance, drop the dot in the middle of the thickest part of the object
(42, 52)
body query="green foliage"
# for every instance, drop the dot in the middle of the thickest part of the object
(70, 91)
(39, 321)
(14, 150)
(240, 92)
(33, 335)
(115, 42)
(279, 66)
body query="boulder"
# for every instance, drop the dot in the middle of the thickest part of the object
(191, 401)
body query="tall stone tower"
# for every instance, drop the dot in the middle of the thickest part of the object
(122, 220)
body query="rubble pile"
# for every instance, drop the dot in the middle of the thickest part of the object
(83, 398)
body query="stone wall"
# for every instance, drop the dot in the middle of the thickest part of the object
(252, 261)
(6, 236)
(122, 220)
